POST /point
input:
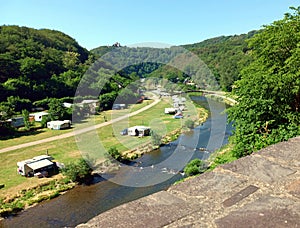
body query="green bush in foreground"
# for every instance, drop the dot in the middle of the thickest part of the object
(195, 167)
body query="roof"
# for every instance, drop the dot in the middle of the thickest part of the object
(59, 121)
(40, 164)
(67, 105)
(139, 127)
(89, 101)
(39, 113)
(41, 157)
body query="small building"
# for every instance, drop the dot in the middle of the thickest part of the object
(17, 122)
(38, 116)
(36, 166)
(139, 131)
(59, 124)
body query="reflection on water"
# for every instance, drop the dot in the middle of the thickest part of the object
(154, 172)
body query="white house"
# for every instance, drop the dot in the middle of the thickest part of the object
(59, 124)
(139, 131)
(38, 116)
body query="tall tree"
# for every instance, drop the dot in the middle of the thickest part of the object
(269, 90)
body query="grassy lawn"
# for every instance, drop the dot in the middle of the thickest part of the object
(66, 150)
(47, 133)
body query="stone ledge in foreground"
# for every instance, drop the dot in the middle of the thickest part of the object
(261, 190)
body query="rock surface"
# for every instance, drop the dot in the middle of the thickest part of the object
(261, 190)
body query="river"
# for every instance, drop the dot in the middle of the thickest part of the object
(152, 172)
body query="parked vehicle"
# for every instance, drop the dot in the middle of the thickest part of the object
(124, 132)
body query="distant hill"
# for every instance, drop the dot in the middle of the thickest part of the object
(225, 56)
(40, 64)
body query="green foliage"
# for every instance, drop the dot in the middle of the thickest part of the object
(115, 154)
(156, 138)
(31, 61)
(25, 115)
(195, 167)
(224, 155)
(189, 124)
(78, 171)
(269, 90)
(57, 111)
(225, 57)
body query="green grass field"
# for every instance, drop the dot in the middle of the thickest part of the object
(66, 150)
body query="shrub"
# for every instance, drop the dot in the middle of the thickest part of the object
(156, 138)
(78, 171)
(189, 123)
(114, 153)
(195, 167)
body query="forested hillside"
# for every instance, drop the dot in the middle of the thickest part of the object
(225, 56)
(35, 64)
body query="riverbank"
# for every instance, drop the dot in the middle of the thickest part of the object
(83, 202)
(21, 193)
(202, 115)
(33, 195)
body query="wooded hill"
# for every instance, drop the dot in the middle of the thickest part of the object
(225, 56)
(35, 64)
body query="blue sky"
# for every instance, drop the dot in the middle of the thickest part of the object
(103, 22)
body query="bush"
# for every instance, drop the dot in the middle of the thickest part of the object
(195, 167)
(189, 124)
(156, 138)
(114, 153)
(79, 171)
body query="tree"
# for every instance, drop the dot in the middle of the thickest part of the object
(25, 115)
(269, 90)
(57, 111)
(78, 171)
(107, 100)
(189, 123)
(156, 138)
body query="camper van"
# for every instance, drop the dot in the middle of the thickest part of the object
(36, 166)
(139, 131)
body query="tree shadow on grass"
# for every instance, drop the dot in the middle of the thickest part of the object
(17, 134)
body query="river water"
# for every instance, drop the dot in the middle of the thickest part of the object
(152, 172)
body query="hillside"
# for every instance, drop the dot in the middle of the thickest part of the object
(40, 63)
(225, 56)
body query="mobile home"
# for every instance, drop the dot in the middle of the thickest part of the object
(59, 124)
(139, 131)
(35, 165)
